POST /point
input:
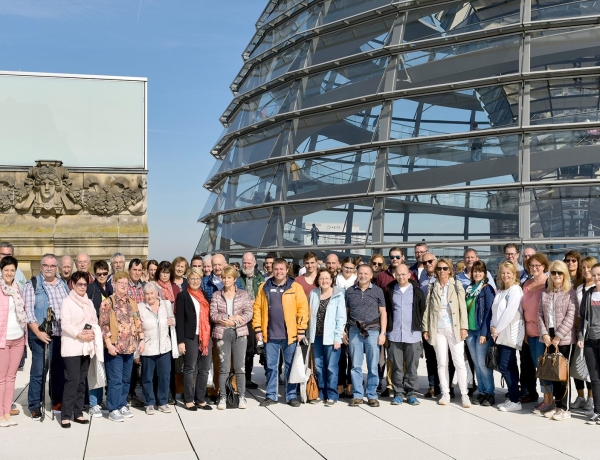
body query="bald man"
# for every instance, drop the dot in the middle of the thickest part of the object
(332, 262)
(213, 283)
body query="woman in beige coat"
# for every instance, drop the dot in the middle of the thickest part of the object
(445, 324)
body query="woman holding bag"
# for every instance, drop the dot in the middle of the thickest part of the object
(556, 321)
(325, 331)
(508, 331)
(231, 311)
(157, 316)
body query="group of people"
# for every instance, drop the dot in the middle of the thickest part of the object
(93, 329)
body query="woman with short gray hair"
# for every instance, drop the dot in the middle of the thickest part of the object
(156, 315)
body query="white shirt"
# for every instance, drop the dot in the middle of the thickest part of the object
(197, 307)
(445, 318)
(13, 330)
(229, 303)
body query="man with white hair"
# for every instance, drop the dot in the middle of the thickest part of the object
(117, 264)
(251, 279)
(66, 268)
(207, 265)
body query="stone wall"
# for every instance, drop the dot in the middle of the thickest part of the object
(51, 209)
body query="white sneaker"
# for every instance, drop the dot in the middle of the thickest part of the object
(166, 409)
(222, 405)
(502, 404)
(4, 424)
(561, 414)
(125, 412)
(96, 411)
(150, 410)
(243, 403)
(115, 416)
(511, 407)
(579, 403)
(444, 400)
(550, 413)
(466, 402)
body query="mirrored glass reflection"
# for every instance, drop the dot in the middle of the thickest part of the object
(544, 10)
(557, 49)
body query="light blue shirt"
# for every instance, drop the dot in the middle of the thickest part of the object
(466, 281)
(403, 316)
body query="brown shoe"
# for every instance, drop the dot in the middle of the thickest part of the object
(15, 412)
(373, 402)
(356, 402)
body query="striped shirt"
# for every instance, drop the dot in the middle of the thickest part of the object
(56, 293)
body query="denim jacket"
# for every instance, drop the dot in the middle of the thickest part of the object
(483, 312)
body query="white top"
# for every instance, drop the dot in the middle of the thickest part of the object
(551, 313)
(197, 307)
(344, 283)
(580, 291)
(403, 289)
(229, 303)
(505, 306)
(445, 318)
(13, 330)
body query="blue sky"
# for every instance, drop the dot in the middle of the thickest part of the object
(190, 51)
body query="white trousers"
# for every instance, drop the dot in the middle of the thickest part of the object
(444, 339)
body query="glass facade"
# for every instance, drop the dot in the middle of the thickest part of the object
(392, 122)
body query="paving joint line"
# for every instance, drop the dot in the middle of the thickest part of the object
(290, 428)
(185, 431)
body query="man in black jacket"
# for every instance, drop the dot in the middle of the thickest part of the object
(405, 306)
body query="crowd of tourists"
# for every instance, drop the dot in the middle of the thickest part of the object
(188, 332)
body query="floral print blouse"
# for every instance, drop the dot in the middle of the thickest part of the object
(128, 321)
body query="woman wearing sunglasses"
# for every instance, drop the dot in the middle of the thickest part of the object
(445, 324)
(508, 331)
(556, 319)
(378, 265)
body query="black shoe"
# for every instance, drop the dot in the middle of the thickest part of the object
(429, 393)
(452, 395)
(65, 425)
(471, 392)
(36, 414)
(488, 400)
(268, 402)
(81, 421)
(172, 402)
(386, 393)
(134, 401)
(476, 401)
(250, 385)
(191, 408)
(293, 402)
(204, 406)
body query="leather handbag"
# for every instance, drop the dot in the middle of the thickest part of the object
(553, 367)
(312, 388)
(491, 358)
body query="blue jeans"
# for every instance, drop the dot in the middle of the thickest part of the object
(537, 349)
(507, 364)
(326, 368)
(162, 364)
(360, 345)
(96, 396)
(485, 376)
(272, 348)
(57, 372)
(118, 374)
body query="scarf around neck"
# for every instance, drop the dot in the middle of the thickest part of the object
(167, 291)
(79, 300)
(203, 323)
(14, 292)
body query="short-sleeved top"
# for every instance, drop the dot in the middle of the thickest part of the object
(364, 305)
(301, 280)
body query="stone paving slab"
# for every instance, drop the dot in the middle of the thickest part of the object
(310, 432)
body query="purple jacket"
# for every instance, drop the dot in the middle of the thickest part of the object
(242, 305)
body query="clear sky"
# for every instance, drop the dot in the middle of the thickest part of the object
(190, 51)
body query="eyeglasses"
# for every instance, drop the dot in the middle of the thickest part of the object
(122, 283)
(556, 273)
(428, 262)
(194, 280)
(81, 284)
(510, 254)
(531, 267)
(99, 274)
(420, 252)
(570, 261)
(396, 257)
(401, 274)
(445, 269)
(51, 267)
(377, 264)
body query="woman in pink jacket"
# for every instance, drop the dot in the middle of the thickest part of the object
(77, 316)
(231, 311)
(556, 322)
(13, 324)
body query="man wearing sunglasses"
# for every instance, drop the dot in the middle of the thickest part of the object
(387, 276)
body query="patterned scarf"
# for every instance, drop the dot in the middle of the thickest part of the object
(203, 323)
(13, 291)
(167, 291)
(472, 292)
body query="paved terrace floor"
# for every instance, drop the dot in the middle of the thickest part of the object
(311, 432)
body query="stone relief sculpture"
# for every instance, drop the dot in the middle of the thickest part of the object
(48, 190)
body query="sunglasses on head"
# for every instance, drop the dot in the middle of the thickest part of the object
(556, 273)
(444, 269)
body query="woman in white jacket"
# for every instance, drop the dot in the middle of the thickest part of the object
(156, 315)
(347, 276)
(325, 331)
(508, 331)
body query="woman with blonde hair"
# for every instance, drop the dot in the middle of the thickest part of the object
(445, 324)
(508, 331)
(556, 320)
(180, 267)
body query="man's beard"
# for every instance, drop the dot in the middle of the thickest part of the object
(248, 271)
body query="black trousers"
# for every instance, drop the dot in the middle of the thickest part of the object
(134, 378)
(345, 367)
(527, 378)
(250, 352)
(76, 369)
(431, 362)
(591, 351)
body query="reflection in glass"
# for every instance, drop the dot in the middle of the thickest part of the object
(458, 18)
(343, 83)
(333, 175)
(359, 39)
(475, 161)
(556, 49)
(456, 111)
(242, 230)
(252, 147)
(339, 223)
(341, 9)
(564, 101)
(543, 10)
(565, 155)
(558, 212)
(332, 129)
(465, 61)
(492, 214)
(287, 61)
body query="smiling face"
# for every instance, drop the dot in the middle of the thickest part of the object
(396, 258)
(179, 269)
(442, 270)
(150, 296)
(364, 275)
(429, 263)
(507, 276)
(377, 265)
(80, 287)
(311, 266)
(135, 273)
(194, 281)
(118, 264)
(332, 262)
(8, 274)
(121, 287)
(218, 262)
(469, 259)
(477, 275)
(49, 266)
(348, 270)
(325, 281)
(228, 281)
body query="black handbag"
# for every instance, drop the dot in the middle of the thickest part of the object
(491, 358)
(233, 398)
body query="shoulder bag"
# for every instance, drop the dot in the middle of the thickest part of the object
(491, 358)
